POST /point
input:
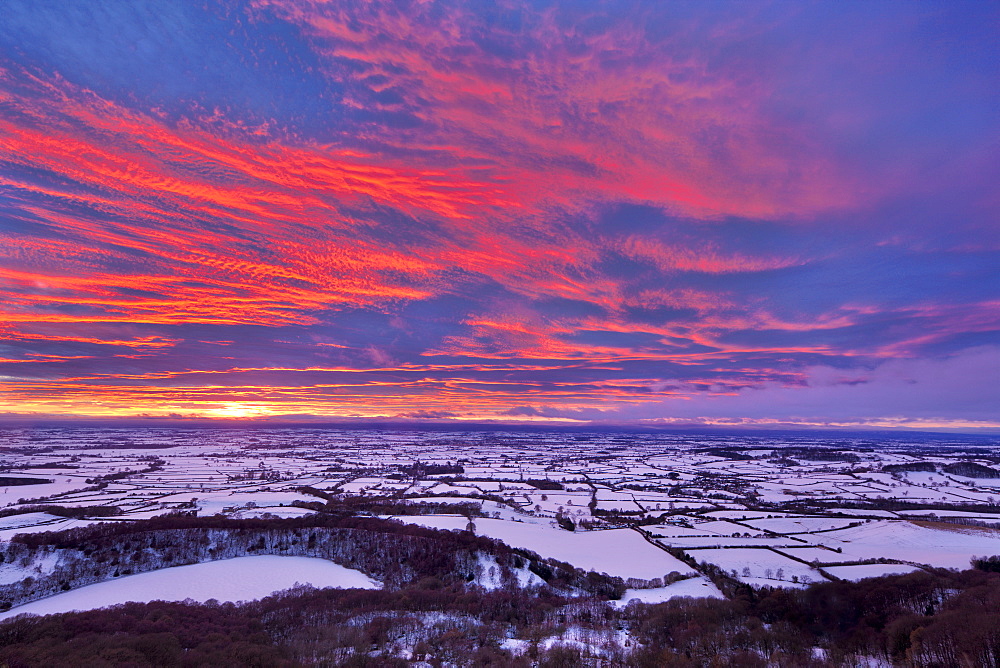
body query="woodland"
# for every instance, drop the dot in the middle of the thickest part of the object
(433, 612)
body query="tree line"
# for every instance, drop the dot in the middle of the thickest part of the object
(938, 619)
(394, 553)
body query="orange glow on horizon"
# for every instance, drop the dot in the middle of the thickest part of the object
(535, 212)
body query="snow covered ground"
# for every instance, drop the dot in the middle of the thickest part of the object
(947, 548)
(40, 522)
(720, 541)
(60, 484)
(760, 566)
(702, 490)
(793, 525)
(240, 579)
(699, 587)
(620, 552)
(862, 571)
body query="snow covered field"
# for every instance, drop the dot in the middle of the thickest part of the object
(760, 567)
(721, 499)
(916, 544)
(700, 587)
(620, 552)
(862, 571)
(240, 579)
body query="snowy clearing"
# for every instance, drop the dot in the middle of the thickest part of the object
(700, 587)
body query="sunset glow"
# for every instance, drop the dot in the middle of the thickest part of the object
(656, 213)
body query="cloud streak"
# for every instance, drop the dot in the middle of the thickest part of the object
(437, 210)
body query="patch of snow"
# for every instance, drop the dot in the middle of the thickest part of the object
(862, 571)
(273, 511)
(700, 587)
(752, 565)
(620, 552)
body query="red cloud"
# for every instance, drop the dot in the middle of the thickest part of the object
(610, 113)
(141, 234)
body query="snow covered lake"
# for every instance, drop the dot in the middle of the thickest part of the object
(240, 579)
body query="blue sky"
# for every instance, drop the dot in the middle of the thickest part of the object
(642, 213)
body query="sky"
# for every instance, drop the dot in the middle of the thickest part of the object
(650, 213)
